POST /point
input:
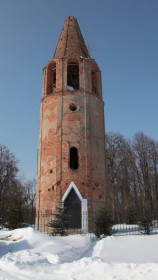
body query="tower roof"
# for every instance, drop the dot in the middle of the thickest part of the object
(71, 42)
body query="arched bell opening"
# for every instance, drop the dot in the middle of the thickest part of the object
(73, 75)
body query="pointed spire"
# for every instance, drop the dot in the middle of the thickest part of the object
(71, 42)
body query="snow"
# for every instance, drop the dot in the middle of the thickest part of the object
(29, 254)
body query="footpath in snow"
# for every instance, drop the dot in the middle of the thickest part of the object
(28, 254)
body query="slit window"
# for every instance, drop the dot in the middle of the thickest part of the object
(73, 76)
(73, 158)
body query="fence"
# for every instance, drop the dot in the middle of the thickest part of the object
(149, 225)
(43, 224)
(135, 223)
(126, 229)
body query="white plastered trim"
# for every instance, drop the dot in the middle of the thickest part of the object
(72, 185)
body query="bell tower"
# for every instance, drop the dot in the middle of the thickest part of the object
(71, 151)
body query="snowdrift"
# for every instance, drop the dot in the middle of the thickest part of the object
(28, 254)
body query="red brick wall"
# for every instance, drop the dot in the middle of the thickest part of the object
(61, 128)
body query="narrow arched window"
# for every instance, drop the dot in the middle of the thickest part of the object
(95, 80)
(73, 158)
(72, 76)
(51, 78)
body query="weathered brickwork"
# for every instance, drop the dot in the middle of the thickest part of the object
(71, 116)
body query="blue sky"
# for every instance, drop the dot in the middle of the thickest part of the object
(122, 36)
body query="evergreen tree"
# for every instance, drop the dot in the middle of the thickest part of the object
(59, 223)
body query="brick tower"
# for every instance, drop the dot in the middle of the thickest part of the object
(71, 153)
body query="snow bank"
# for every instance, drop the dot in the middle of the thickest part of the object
(28, 254)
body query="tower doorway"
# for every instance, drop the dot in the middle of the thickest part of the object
(72, 205)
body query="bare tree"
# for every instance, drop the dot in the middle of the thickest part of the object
(118, 164)
(132, 176)
(146, 157)
(17, 198)
(8, 175)
(30, 199)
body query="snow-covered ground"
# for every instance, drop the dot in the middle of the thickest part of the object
(28, 254)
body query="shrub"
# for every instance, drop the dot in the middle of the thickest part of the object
(131, 217)
(145, 222)
(103, 223)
